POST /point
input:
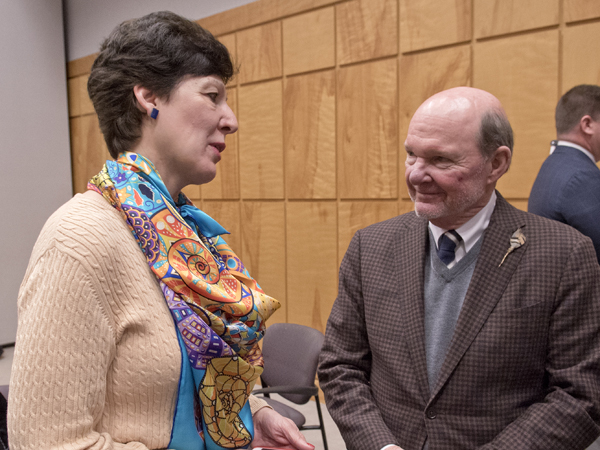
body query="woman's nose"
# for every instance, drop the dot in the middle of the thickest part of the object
(229, 123)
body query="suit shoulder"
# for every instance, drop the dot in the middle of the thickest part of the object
(394, 224)
(548, 228)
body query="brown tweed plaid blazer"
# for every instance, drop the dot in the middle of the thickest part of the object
(523, 367)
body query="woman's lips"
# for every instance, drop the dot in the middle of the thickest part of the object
(219, 146)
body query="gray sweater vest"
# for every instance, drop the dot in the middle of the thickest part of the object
(445, 291)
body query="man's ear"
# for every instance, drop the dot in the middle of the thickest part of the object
(587, 125)
(500, 163)
(146, 99)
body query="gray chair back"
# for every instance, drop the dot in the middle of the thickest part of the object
(291, 354)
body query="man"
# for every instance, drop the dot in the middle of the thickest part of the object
(468, 323)
(567, 188)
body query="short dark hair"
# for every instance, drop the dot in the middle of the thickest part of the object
(155, 51)
(494, 131)
(577, 102)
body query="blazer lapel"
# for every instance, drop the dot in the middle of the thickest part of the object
(487, 285)
(410, 250)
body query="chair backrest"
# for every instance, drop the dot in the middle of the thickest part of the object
(291, 354)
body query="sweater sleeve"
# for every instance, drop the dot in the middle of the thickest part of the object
(65, 343)
(256, 404)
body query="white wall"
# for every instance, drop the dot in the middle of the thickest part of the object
(88, 22)
(35, 172)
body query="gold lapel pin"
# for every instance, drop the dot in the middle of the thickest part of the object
(516, 240)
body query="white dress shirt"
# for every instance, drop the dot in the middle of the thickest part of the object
(471, 231)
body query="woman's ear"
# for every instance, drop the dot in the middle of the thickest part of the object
(146, 100)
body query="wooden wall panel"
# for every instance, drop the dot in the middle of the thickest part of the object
(324, 96)
(579, 64)
(88, 150)
(367, 127)
(263, 233)
(581, 9)
(311, 266)
(352, 216)
(522, 71)
(259, 52)
(258, 12)
(261, 141)
(226, 183)
(366, 29)
(495, 17)
(519, 204)
(80, 66)
(79, 101)
(228, 215)
(73, 91)
(433, 23)
(229, 41)
(422, 75)
(309, 41)
(309, 136)
(193, 193)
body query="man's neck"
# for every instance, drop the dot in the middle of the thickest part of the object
(576, 138)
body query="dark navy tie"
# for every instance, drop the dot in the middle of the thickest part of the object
(447, 244)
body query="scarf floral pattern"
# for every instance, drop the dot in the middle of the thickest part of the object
(218, 308)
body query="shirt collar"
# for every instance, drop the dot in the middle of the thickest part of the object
(555, 144)
(473, 229)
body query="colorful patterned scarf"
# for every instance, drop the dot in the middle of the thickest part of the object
(219, 309)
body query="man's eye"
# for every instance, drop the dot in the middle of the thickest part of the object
(213, 96)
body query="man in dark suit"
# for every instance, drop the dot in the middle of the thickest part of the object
(567, 187)
(467, 323)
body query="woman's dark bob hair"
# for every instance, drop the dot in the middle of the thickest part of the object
(155, 51)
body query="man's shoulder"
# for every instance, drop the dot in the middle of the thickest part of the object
(567, 160)
(547, 230)
(394, 225)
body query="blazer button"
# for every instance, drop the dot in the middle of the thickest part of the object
(431, 414)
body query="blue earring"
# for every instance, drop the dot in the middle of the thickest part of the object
(154, 113)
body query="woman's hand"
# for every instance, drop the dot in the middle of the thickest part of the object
(274, 430)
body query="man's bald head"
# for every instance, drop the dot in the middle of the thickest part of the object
(482, 114)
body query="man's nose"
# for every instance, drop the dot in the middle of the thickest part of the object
(417, 173)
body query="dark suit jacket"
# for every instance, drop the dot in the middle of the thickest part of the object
(523, 367)
(567, 189)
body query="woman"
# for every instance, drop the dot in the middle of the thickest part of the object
(99, 362)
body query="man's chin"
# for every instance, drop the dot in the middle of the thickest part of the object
(429, 211)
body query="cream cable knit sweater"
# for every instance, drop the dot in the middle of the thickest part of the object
(97, 360)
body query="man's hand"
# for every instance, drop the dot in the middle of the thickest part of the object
(274, 430)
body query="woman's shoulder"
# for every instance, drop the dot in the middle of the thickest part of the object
(86, 209)
(84, 226)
